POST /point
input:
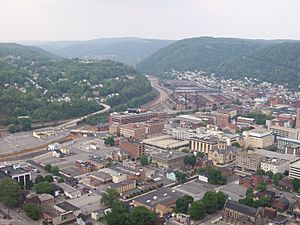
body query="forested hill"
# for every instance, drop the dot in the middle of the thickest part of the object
(234, 58)
(23, 52)
(37, 84)
(126, 50)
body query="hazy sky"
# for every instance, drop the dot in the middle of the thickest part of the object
(167, 19)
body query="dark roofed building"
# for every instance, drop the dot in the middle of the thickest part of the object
(236, 213)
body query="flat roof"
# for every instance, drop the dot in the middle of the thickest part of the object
(66, 206)
(271, 154)
(160, 196)
(296, 164)
(165, 142)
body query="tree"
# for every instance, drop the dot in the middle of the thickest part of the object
(210, 202)
(142, 216)
(182, 204)
(55, 170)
(180, 176)
(109, 141)
(215, 176)
(269, 173)
(276, 178)
(26, 126)
(11, 128)
(221, 199)
(190, 160)
(32, 211)
(48, 168)
(118, 215)
(260, 172)
(197, 210)
(296, 184)
(214, 107)
(262, 202)
(109, 197)
(200, 154)
(10, 192)
(247, 201)
(43, 187)
(235, 144)
(38, 179)
(262, 186)
(249, 193)
(49, 178)
(144, 160)
(185, 150)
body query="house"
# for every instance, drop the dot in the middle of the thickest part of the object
(60, 213)
(294, 210)
(280, 203)
(254, 180)
(237, 213)
(82, 219)
(69, 191)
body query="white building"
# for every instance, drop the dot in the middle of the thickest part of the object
(275, 165)
(294, 172)
(258, 138)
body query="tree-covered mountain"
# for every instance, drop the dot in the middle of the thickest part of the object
(276, 60)
(126, 50)
(44, 87)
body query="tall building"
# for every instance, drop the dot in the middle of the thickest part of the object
(17, 173)
(206, 144)
(294, 172)
(298, 118)
(258, 138)
(248, 160)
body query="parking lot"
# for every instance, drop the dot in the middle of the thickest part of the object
(24, 140)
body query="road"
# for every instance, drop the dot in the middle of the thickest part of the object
(70, 123)
(163, 93)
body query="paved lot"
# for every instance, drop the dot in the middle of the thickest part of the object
(23, 140)
(234, 190)
(195, 188)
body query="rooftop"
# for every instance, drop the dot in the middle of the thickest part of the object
(66, 206)
(161, 196)
(240, 208)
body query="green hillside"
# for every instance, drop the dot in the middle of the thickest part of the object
(278, 63)
(37, 84)
(126, 50)
(276, 60)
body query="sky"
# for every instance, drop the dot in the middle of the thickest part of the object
(52, 20)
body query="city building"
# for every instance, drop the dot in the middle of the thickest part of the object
(134, 149)
(222, 156)
(206, 144)
(124, 186)
(116, 175)
(133, 131)
(134, 117)
(17, 173)
(237, 213)
(290, 146)
(69, 191)
(168, 160)
(258, 138)
(248, 160)
(294, 171)
(285, 132)
(161, 201)
(165, 142)
(275, 165)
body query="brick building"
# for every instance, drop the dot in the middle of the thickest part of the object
(133, 148)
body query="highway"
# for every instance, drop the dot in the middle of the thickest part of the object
(74, 121)
(163, 93)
